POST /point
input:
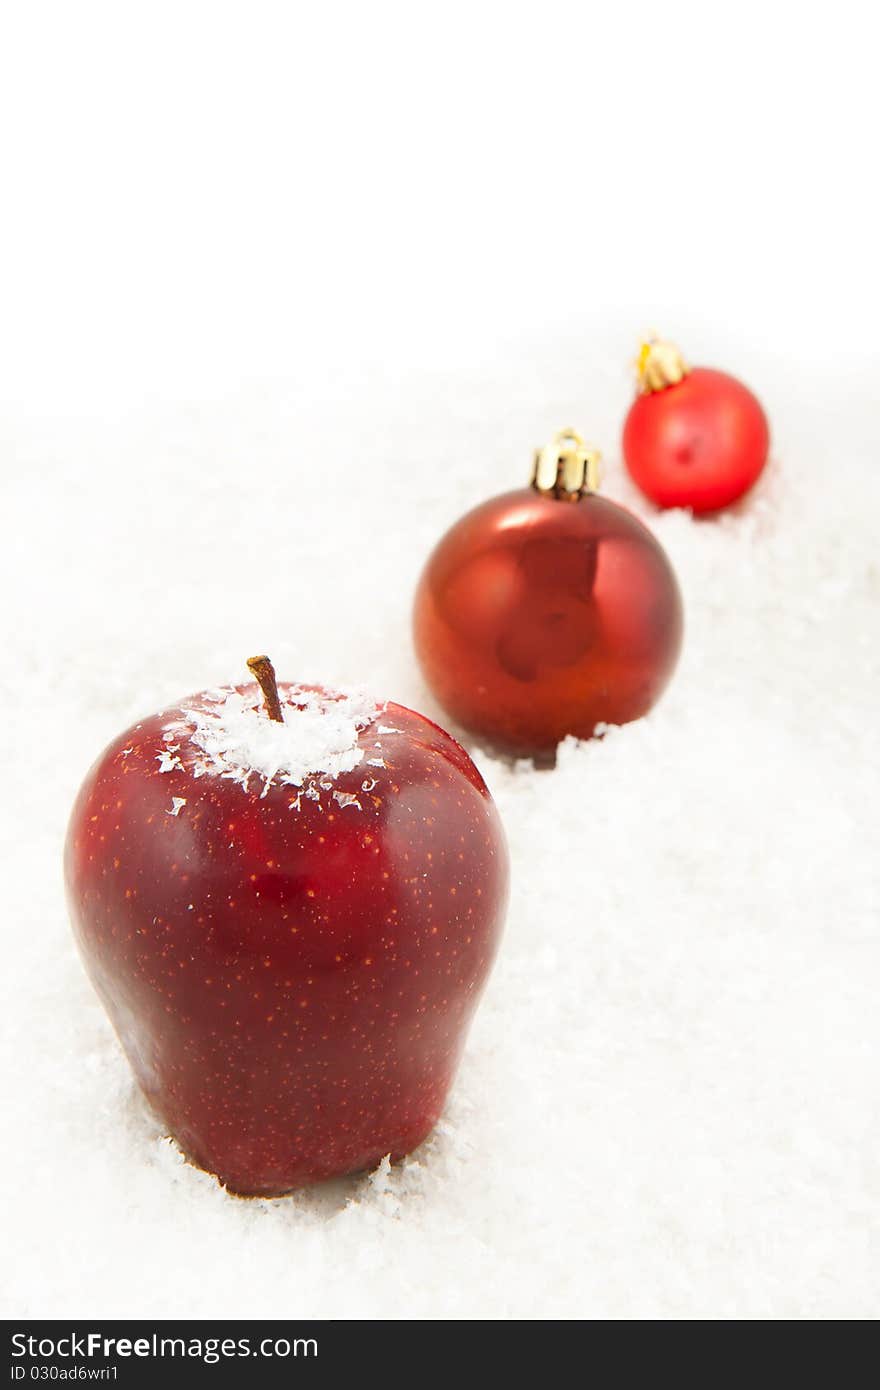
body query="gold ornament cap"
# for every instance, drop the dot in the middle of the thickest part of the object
(659, 364)
(566, 468)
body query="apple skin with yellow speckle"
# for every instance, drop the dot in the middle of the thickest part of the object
(292, 977)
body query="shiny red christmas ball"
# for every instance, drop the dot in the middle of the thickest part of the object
(693, 437)
(289, 920)
(547, 611)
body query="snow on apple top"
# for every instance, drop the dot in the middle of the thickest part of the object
(230, 735)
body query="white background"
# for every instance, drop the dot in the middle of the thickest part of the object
(285, 289)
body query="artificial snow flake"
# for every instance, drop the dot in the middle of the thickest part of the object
(346, 799)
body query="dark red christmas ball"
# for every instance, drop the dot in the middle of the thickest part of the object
(547, 611)
(694, 437)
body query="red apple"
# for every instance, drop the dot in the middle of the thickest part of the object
(290, 920)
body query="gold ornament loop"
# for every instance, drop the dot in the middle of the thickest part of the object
(659, 364)
(566, 468)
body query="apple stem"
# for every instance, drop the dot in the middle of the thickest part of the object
(262, 668)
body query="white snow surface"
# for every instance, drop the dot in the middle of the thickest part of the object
(668, 1106)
